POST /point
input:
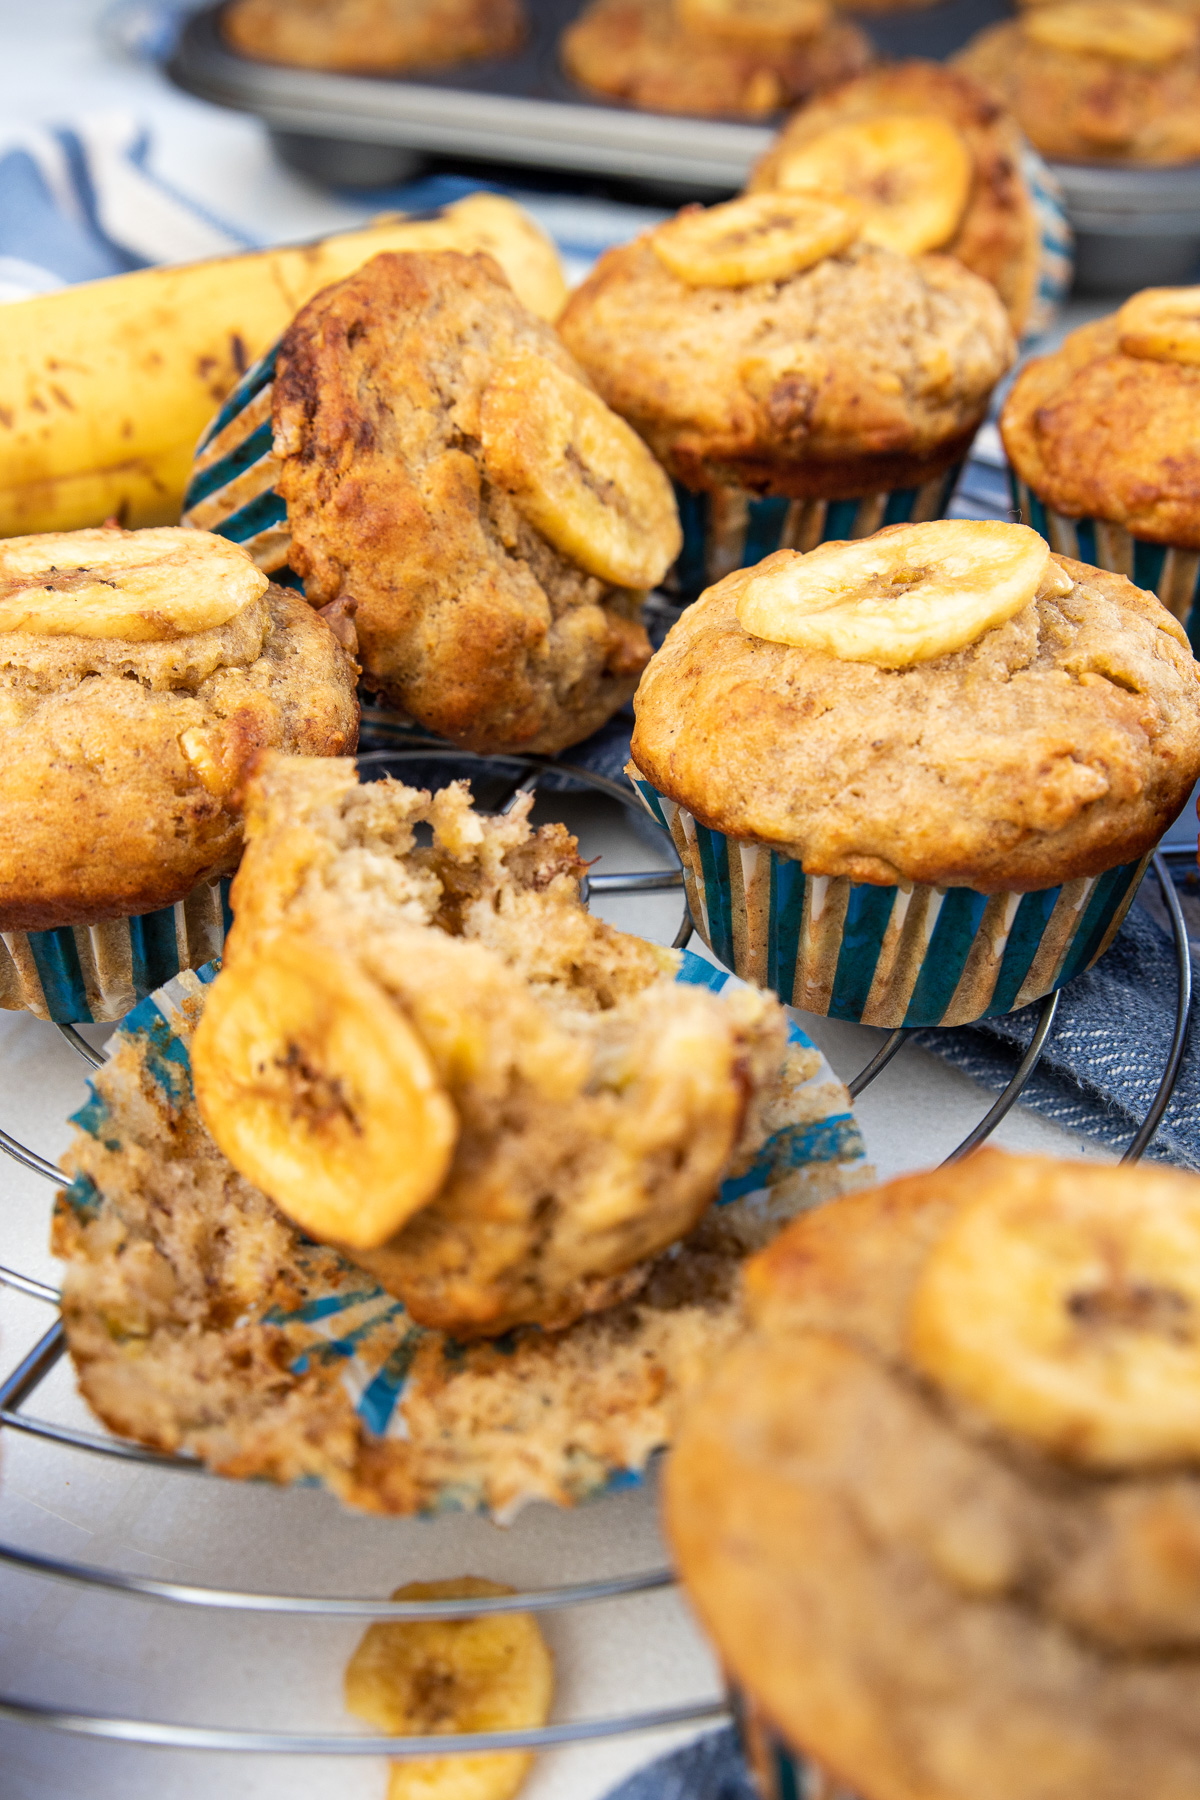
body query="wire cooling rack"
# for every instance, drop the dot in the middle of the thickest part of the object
(499, 781)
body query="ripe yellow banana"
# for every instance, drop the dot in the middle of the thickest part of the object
(580, 474)
(105, 388)
(761, 237)
(763, 22)
(906, 595)
(455, 1675)
(911, 174)
(319, 1091)
(1124, 31)
(136, 585)
(1162, 324)
(1063, 1303)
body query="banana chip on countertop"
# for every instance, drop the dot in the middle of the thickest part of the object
(911, 173)
(907, 595)
(444, 1676)
(580, 474)
(761, 237)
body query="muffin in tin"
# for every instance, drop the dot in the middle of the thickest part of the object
(938, 165)
(1101, 438)
(143, 672)
(916, 780)
(940, 1508)
(1097, 80)
(712, 58)
(763, 348)
(373, 36)
(422, 451)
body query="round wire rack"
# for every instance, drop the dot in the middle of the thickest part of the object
(500, 781)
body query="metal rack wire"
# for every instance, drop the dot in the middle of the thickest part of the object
(516, 775)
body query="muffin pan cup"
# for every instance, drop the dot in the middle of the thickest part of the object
(94, 974)
(1171, 571)
(908, 955)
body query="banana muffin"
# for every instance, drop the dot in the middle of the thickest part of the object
(1097, 80)
(449, 473)
(1101, 437)
(940, 1508)
(373, 36)
(915, 780)
(713, 58)
(438, 1060)
(763, 348)
(937, 165)
(143, 670)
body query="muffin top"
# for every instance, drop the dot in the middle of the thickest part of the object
(737, 58)
(1097, 80)
(940, 1509)
(1105, 426)
(852, 370)
(140, 673)
(372, 34)
(447, 468)
(935, 161)
(893, 734)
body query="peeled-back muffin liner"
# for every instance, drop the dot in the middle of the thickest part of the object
(1169, 570)
(908, 955)
(232, 487)
(336, 1313)
(94, 974)
(777, 1771)
(1056, 244)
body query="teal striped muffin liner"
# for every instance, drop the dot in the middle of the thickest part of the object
(905, 955)
(729, 529)
(232, 490)
(777, 1771)
(1168, 570)
(1056, 241)
(335, 1313)
(94, 974)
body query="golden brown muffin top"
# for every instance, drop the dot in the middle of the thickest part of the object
(1100, 433)
(646, 53)
(1059, 744)
(431, 432)
(941, 1508)
(120, 789)
(1081, 105)
(843, 379)
(997, 233)
(373, 35)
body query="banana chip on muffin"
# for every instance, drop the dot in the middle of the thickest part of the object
(448, 469)
(438, 1060)
(940, 1509)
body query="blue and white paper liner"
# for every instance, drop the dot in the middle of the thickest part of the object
(906, 955)
(338, 1316)
(730, 529)
(1056, 244)
(1167, 570)
(777, 1771)
(232, 487)
(93, 974)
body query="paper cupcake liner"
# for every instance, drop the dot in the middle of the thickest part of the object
(1056, 248)
(1168, 570)
(232, 487)
(777, 1771)
(334, 1314)
(94, 974)
(730, 529)
(888, 956)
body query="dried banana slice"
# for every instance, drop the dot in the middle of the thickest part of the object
(906, 595)
(580, 474)
(753, 21)
(453, 1675)
(1162, 324)
(910, 173)
(138, 585)
(761, 237)
(1124, 31)
(320, 1092)
(1065, 1306)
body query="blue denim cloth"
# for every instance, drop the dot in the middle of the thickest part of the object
(709, 1768)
